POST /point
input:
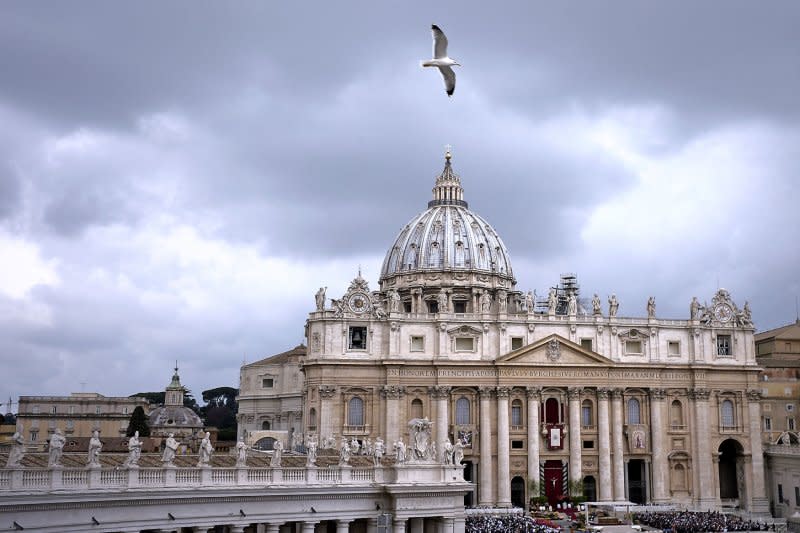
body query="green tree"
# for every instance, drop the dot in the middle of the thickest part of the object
(138, 423)
(156, 398)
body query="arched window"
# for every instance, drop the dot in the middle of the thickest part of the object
(676, 414)
(727, 414)
(462, 411)
(633, 411)
(679, 477)
(516, 413)
(355, 412)
(265, 425)
(416, 408)
(587, 416)
(312, 417)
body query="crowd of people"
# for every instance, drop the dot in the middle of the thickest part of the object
(695, 522)
(515, 523)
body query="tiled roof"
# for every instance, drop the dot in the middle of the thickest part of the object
(297, 351)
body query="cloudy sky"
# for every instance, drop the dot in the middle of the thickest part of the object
(178, 178)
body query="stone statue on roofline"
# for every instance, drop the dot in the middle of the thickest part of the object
(319, 298)
(93, 455)
(205, 451)
(651, 307)
(277, 454)
(613, 305)
(17, 451)
(170, 448)
(134, 451)
(57, 442)
(241, 453)
(596, 306)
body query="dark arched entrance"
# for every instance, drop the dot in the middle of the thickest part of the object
(590, 488)
(518, 492)
(730, 465)
(267, 443)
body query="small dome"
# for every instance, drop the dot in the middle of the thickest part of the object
(447, 236)
(173, 416)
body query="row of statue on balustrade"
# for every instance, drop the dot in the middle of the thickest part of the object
(526, 303)
(421, 449)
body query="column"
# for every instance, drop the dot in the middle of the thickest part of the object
(706, 488)
(273, 528)
(618, 463)
(575, 467)
(308, 527)
(392, 395)
(759, 500)
(485, 493)
(503, 459)
(440, 395)
(399, 525)
(660, 464)
(605, 487)
(326, 411)
(534, 398)
(372, 524)
(342, 526)
(237, 528)
(416, 525)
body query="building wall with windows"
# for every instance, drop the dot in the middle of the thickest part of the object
(270, 397)
(77, 415)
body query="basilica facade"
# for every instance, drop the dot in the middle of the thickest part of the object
(550, 396)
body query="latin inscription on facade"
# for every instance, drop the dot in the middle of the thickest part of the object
(542, 373)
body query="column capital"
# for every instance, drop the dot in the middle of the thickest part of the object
(603, 393)
(658, 394)
(393, 392)
(503, 392)
(699, 395)
(616, 394)
(574, 393)
(534, 393)
(439, 392)
(327, 391)
(486, 392)
(754, 395)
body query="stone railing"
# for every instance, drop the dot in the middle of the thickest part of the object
(80, 479)
(782, 449)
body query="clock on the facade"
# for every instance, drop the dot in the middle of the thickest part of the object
(358, 302)
(723, 312)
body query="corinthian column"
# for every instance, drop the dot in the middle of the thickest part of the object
(326, 411)
(759, 503)
(606, 488)
(485, 493)
(575, 467)
(660, 466)
(503, 479)
(441, 396)
(534, 397)
(392, 395)
(618, 459)
(706, 489)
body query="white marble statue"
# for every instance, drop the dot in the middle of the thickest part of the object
(420, 429)
(694, 308)
(596, 306)
(320, 298)
(134, 451)
(613, 305)
(205, 451)
(367, 447)
(297, 441)
(400, 452)
(311, 451)
(17, 451)
(502, 301)
(170, 447)
(344, 452)
(572, 305)
(394, 302)
(529, 302)
(486, 302)
(447, 452)
(354, 446)
(57, 442)
(745, 318)
(552, 301)
(458, 452)
(651, 307)
(93, 455)
(241, 453)
(277, 454)
(443, 301)
(378, 451)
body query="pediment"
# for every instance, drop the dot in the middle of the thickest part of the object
(553, 350)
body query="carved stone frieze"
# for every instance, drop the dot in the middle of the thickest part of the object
(574, 393)
(554, 350)
(603, 393)
(503, 392)
(327, 391)
(486, 392)
(439, 392)
(754, 395)
(658, 394)
(700, 395)
(534, 393)
(393, 392)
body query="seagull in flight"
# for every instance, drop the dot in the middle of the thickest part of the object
(441, 61)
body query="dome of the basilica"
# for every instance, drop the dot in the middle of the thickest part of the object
(447, 236)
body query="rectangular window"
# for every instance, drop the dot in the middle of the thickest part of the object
(797, 496)
(433, 306)
(71, 424)
(124, 410)
(459, 306)
(674, 348)
(586, 416)
(417, 343)
(586, 344)
(588, 444)
(767, 423)
(34, 436)
(724, 345)
(51, 424)
(35, 409)
(72, 409)
(780, 488)
(357, 338)
(465, 344)
(517, 445)
(790, 424)
(35, 423)
(789, 349)
(516, 415)
(267, 383)
(633, 347)
(97, 410)
(407, 307)
(516, 343)
(53, 410)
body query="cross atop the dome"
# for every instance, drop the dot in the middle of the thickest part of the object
(448, 151)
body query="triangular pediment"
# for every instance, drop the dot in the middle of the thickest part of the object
(553, 350)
